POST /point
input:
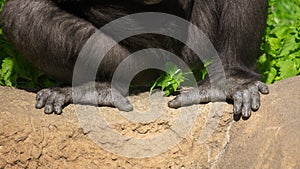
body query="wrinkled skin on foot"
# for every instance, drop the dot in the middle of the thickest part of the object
(245, 94)
(54, 99)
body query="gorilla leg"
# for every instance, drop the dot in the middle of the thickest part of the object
(51, 38)
(239, 49)
(236, 35)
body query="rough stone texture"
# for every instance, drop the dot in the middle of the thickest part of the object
(269, 139)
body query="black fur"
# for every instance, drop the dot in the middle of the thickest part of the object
(50, 34)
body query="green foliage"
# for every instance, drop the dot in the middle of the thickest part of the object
(17, 72)
(169, 81)
(200, 71)
(173, 78)
(281, 47)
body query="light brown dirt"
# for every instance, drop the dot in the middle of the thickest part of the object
(31, 139)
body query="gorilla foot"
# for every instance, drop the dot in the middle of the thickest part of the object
(243, 92)
(53, 100)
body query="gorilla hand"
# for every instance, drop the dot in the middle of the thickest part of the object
(243, 92)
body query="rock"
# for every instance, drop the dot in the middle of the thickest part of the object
(271, 137)
(202, 136)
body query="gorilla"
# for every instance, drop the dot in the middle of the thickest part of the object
(51, 34)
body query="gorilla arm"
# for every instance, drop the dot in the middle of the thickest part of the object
(51, 39)
(236, 30)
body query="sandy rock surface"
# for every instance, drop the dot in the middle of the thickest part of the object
(153, 136)
(271, 137)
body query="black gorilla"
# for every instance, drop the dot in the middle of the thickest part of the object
(51, 33)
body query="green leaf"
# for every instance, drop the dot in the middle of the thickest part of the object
(175, 86)
(275, 45)
(281, 31)
(6, 71)
(171, 68)
(153, 86)
(287, 69)
(289, 46)
(169, 81)
(271, 75)
(167, 93)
